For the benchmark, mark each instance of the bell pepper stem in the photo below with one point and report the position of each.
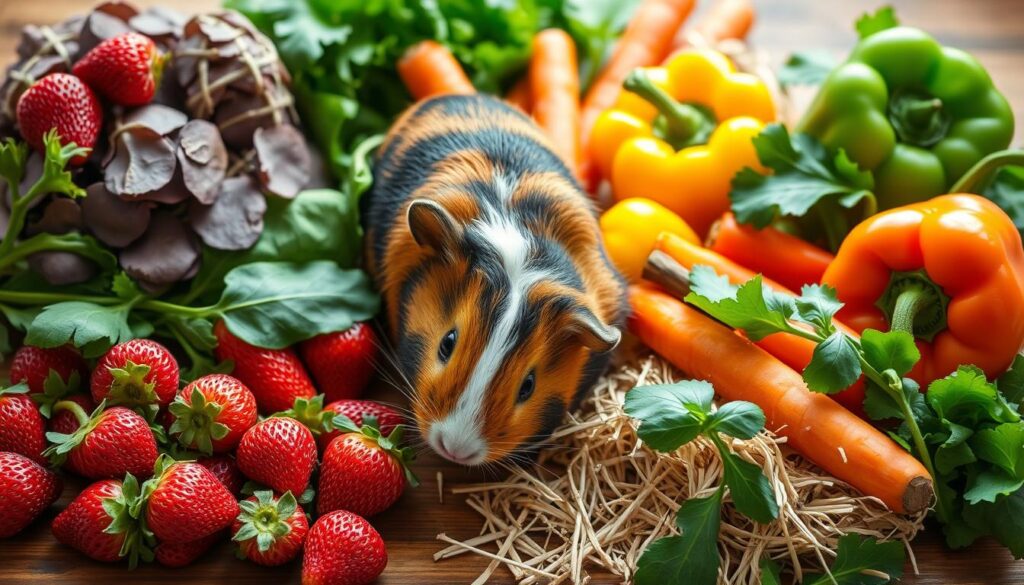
(976, 175)
(920, 111)
(682, 122)
(74, 408)
(908, 304)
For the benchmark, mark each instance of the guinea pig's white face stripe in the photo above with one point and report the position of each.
(459, 434)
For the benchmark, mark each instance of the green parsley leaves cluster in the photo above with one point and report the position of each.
(967, 431)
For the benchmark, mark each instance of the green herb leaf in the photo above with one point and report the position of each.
(990, 484)
(894, 350)
(806, 68)
(1002, 520)
(670, 415)
(749, 488)
(743, 308)
(872, 22)
(954, 452)
(834, 366)
(1006, 189)
(1002, 446)
(817, 305)
(967, 397)
(91, 327)
(596, 26)
(691, 557)
(277, 304)
(13, 154)
(863, 561)
(738, 419)
(771, 572)
(1011, 383)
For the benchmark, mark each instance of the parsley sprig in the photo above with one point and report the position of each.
(967, 431)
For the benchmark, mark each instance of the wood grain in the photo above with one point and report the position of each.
(991, 29)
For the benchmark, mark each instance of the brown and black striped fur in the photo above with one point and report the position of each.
(477, 230)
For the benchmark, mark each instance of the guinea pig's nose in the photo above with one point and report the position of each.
(458, 449)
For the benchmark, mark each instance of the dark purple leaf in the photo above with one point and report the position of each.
(114, 221)
(60, 216)
(143, 161)
(165, 254)
(283, 159)
(203, 159)
(235, 220)
(62, 268)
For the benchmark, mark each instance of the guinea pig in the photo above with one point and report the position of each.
(500, 302)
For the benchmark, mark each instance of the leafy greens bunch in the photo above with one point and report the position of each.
(966, 431)
(672, 415)
(297, 281)
(342, 53)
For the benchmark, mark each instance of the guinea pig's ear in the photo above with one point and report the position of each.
(431, 224)
(592, 332)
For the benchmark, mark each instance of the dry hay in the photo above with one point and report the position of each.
(599, 497)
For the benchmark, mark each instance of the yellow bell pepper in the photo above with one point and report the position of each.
(631, 228)
(680, 132)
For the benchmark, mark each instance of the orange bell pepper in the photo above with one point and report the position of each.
(949, 270)
(631, 228)
(679, 134)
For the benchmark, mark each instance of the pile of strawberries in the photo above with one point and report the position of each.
(170, 464)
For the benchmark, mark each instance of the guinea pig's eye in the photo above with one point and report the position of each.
(444, 351)
(526, 388)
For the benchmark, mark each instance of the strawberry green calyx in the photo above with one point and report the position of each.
(266, 519)
(310, 412)
(55, 389)
(164, 464)
(196, 422)
(130, 387)
(63, 444)
(19, 388)
(390, 444)
(137, 545)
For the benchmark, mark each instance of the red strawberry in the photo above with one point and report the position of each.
(270, 530)
(181, 554)
(139, 372)
(212, 412)
(275, 376)
(22, 429)
(362, 412)
(65, 421)
(224, 468)
(185, 502)
(33, 365)
(342, 363)
(125, 69)
(363, 471)
(98, 523)
(108, 444)
(343, 549)
(64, 103)
(26, 489)
(279, 453)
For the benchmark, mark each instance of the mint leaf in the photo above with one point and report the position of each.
(1002, 446)
(990, 484)
(748, 487)
(859, 561)
(817, 305)
(872, 22)
(691, 557)
(967, 397)
(745, 308)
(738, 419)
(92, 328)
(670, 415)
(834, 366)
(894, 350)
(806, 68)
(277, 304)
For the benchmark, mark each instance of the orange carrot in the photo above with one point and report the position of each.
(795, 351)
(784, 257)
(520, 95)
(816, 427)
(555, 92)
(646, 41)
(429, 68)
(726, 19)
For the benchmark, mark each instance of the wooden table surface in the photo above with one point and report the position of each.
(993, 30)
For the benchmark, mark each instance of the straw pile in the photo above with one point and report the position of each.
(598, 497)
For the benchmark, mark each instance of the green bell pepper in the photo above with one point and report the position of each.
(916, 114)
